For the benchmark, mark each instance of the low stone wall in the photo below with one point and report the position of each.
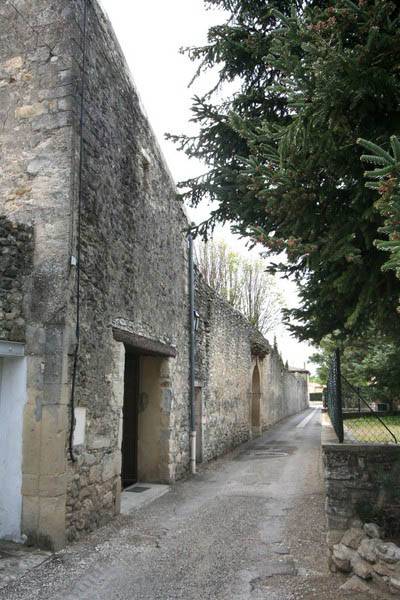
(16, 249)
(361, 482)
(354, 479)
(363, 553)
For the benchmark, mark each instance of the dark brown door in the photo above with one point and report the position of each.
(130, 421)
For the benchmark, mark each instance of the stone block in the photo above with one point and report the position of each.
(53, 440)
(30, 485)
(394, 584)
(361, 567)
(98, 442)
(35, 374)
(353, 538)
(372, 530)
(384, 569)
(89, 459)
(356, 585)
(13, 65)
(95, 474)
(30, 516)
(109, 467)
(52, 485)
(31, 441)
(387, 552)
(367, 549)
(342, 557)
(51, 527)
(30, 111)
(48, 122)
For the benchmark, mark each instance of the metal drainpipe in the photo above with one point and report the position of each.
(192, 360)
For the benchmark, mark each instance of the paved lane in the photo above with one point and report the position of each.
(248, 527)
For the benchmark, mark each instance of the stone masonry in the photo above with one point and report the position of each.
(363, 553)
(16, 250)
(354, 479)
(228, 351)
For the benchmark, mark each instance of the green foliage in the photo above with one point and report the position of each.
(369, 362)
(281, 151)
(384, 178)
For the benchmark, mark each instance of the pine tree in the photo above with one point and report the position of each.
(282, 154)
(384, 178)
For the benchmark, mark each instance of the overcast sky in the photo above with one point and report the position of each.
(151, 34)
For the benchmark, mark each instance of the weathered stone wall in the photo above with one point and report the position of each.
(133, 273)
(228, 350)
(16, 249)
(354, 474)
(36, 145)
(283, 392)
(223, 365)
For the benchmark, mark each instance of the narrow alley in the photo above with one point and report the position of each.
(248, 526)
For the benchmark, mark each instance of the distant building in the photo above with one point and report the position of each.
(316, 391)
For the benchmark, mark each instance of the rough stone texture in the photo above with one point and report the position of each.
(367, 550)
(352, 478)
(36, 141)
(362, 568)
(342, 557)
(372, 560)
(16, 250)
(228, 350)
(355, 584)
(353, 537)
(372, 530)
(388, 552)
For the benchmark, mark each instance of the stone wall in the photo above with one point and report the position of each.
(372, 561)
(133, 274)
(354, 480)
(16, 250)
(37, 144)
(283, 392)
(228, 351)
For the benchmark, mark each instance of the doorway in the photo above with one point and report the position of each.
(144, 402)
(130, 422)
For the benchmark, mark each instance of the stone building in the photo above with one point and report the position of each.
(94, 294)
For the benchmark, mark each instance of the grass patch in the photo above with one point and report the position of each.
(369, 429)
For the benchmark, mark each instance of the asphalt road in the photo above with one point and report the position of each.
(249, 526)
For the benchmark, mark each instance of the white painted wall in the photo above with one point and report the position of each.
(12, 402)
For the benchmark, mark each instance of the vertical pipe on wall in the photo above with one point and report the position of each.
(192, 359)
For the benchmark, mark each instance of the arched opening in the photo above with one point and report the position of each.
(256, 399)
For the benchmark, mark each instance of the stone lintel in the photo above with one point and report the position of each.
(145, 345)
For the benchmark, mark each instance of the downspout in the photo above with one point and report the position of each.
(192, 435)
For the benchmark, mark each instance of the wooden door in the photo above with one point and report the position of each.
(130, 421)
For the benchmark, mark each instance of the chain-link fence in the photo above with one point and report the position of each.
(357, 415)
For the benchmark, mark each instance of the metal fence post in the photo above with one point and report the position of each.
(340, 431)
